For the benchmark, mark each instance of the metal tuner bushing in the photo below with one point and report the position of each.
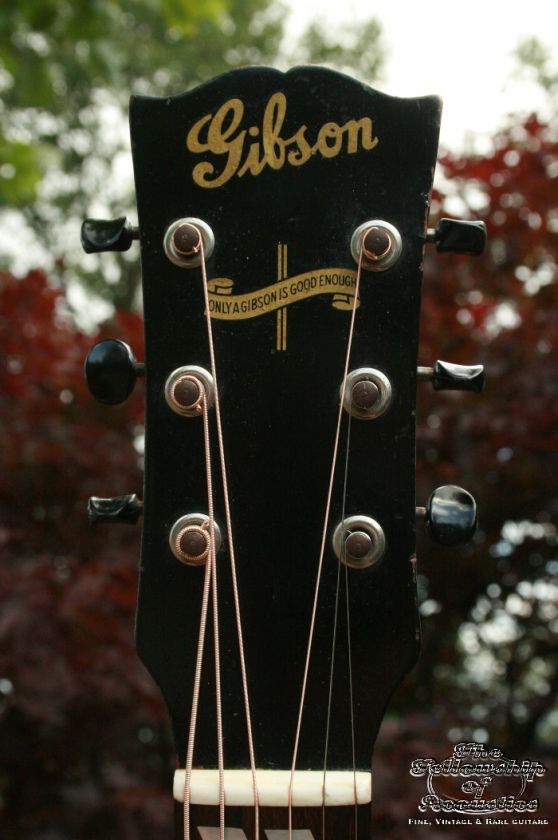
(380, 243)
(182, 242)
(189, 539)
(359, 541)
(367, 393)
(186, 386)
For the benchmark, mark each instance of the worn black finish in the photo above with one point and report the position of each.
(98, 235)
(447, 376)
(456, 236)
(118, 509)
(451, 515)
(280, 383)
(111, 371)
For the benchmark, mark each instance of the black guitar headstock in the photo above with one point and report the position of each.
(292, 210)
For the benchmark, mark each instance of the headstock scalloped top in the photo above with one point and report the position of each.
(290, 180)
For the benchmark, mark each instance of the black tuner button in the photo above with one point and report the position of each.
(124, 509)
(455, 236)
(111, 371)
(450, 515)
(446, 376)
(99, 235)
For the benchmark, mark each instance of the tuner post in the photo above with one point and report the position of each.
(367, 393)
(380, 244)
(183, 242)
(187, 393)
(190, 539)
(192, 544)
(359, 542)
(186, 240)
(187, 388)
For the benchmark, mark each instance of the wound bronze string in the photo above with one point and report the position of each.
(322, 551)
(207, 585)
(334, 635)
(232, 557)
(350, 669)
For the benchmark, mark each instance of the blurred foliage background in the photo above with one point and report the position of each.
(84, 739)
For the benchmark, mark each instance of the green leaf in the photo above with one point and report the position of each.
(183, 16)
(20, 173)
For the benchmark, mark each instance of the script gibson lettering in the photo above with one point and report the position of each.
(254, 148)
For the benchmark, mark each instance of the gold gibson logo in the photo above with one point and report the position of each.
(221, 134)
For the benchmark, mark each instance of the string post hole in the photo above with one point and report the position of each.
(187, 392)
(183, 241)
(366, 393)
(376, 244)
(380, 244)
(188, 388)
(359, 541)
(186, 240)
(357, 545)
(192, 543)
(190, 539)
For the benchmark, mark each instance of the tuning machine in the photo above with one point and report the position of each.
(380, 244)
(359, 541)
(450, 515)
(111, 371)
(183, 242)
(118, 509)
(189, 539)
(185, 388)
(367, 393)
(446, 376)
(457, 236)
(98, 235)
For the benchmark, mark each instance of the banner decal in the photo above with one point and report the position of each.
(226, 306)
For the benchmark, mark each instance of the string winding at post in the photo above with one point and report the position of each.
(210, 583)
(211, 574)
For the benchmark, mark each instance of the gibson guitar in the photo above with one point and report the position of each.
(282, 224)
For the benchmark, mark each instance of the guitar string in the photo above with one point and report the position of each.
(349, 656)
(348, 625)
(351, 699)
(209, 569)
(330, 694)
(228, 520)
(322, 551)
(217, 658)
(335, 625)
